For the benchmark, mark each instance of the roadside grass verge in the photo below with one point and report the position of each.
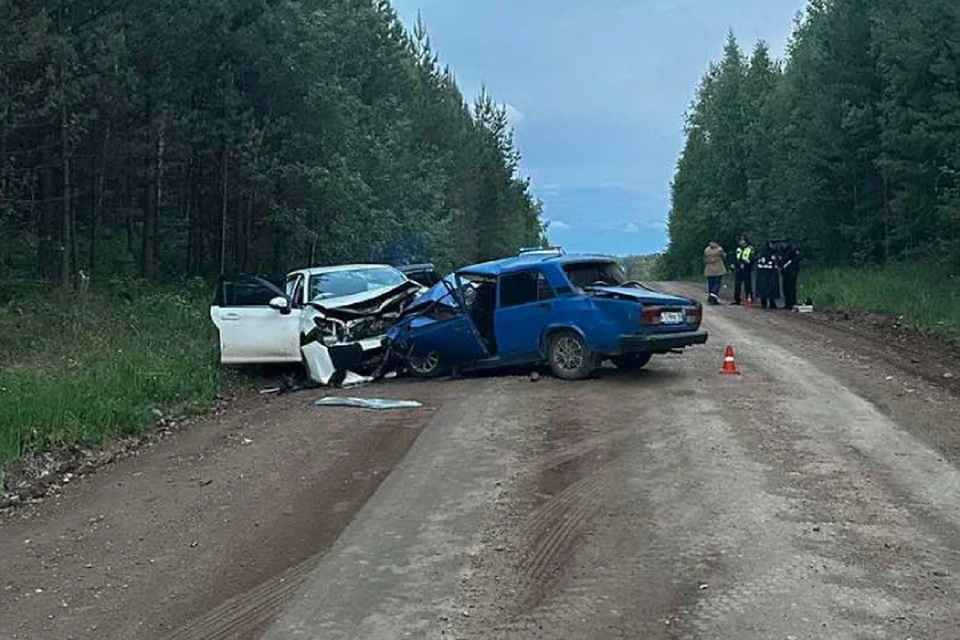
(923, 296)
(84, 369)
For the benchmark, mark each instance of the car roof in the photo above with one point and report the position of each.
(528, 260)
(313, 271)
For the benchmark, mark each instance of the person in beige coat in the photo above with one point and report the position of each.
(714, 268)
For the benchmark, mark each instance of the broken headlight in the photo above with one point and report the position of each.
(330, 333)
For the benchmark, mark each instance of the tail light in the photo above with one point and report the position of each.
(694, 315)
(651, 316)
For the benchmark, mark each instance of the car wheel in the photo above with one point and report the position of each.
(631, 361)
(429, 366)
(569, 356)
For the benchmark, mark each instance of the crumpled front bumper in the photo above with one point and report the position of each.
(325, 363)
(661, 342)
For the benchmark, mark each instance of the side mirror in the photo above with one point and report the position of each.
(281, 304)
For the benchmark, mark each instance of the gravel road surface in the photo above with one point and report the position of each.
(817, 495)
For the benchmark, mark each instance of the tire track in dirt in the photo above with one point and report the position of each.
(552, 533)
(580, 465)
(242, 616)
(582, 448)
(587, 439)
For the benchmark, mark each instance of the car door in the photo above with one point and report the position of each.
(524, 311)
(251, 331)
(455, 338)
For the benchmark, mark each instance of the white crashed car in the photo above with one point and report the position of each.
(333, 319)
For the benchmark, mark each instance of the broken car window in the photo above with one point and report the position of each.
(591, 274)
(336, 284)
(478, 291)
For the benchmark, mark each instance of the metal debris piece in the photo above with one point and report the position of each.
(379, 404)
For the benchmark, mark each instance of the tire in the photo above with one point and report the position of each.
(631, 361)
(430, 366)
(569, 356)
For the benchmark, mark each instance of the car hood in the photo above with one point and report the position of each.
(370, 302)
(437, 294)
(641, 295)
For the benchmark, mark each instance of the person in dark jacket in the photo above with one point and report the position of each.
(768, 276)
(790, 259)
(743, 267)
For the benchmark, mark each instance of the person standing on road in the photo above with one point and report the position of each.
(768, 276)
(744, 270)
(714, 268)
(791, 273)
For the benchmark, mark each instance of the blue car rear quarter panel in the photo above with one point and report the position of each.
(601, 322)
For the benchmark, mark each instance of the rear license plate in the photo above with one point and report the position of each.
(671, 317)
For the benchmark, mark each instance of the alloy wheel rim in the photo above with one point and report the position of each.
(426, 364)
(569, 354)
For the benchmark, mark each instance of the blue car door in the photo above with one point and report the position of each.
(525, 309)
(450, 333)
(454, 339)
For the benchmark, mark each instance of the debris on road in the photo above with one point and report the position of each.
(378, 404)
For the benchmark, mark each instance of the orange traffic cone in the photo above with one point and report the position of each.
(730, 364)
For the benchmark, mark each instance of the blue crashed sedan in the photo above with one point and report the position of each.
(571, 312)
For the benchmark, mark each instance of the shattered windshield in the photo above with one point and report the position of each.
(587, 274)
(337, 284)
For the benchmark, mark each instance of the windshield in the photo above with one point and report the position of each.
(586, 274)
(337, 284)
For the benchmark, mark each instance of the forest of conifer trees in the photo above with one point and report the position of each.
(173, 138)
(849, 147)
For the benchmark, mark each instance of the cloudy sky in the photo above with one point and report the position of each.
(596, 90)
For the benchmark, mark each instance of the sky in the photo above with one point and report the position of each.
(596, 91)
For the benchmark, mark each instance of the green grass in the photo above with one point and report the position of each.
(924, 296)
(86, 369)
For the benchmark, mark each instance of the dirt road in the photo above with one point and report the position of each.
(815, 496)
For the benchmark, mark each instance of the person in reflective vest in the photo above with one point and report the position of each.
(768, 276)
(743, 268)
(791, 258)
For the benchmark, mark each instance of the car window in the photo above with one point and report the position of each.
(586, 274)
(478, 291)
(246, 292)
(298, 293)
(427, 278)
(337, 284)
(295, 290)
(544, 289)
(523, 288)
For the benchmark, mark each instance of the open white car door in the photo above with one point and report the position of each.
(251, 330)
